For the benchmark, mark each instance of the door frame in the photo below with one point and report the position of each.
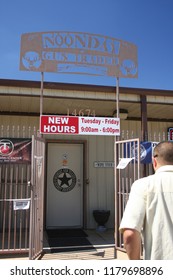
(85, 172)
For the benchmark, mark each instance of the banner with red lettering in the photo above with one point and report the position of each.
(15, 150)
(50, 124)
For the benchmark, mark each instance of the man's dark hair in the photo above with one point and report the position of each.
(164, 152)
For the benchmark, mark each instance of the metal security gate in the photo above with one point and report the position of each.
(14, 196)
(127, 170)
(37, 197)
(14, 223)
(21, 203)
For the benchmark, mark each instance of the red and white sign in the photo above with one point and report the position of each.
(50, 124)
(170, 134)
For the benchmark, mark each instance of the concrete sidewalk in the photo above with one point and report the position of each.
(103, 248)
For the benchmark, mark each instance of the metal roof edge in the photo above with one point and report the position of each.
(85, 87)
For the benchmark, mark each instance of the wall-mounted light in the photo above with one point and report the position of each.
(123, 114)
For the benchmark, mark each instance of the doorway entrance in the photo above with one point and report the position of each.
(64, 185)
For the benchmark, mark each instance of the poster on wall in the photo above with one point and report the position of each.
(15, 150)
(146, 151)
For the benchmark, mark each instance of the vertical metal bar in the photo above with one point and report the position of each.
(28, 194)
(41, 93)
(32, 200)
(117, 96)
(120, 151)
(21, 212)
(138, 159)
(115, 171)
(115, 199)
(10, 205)
(4, 207)
(144, 127)
(1, 204)
(15, 214)
(41, 96)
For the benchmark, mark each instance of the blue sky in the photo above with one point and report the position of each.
(146, 23)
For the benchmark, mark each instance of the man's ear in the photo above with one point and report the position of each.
(154, 163)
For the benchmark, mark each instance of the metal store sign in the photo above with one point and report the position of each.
(79, 125)
(78, 53)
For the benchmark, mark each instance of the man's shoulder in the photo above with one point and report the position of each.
(144, 180)
(142, 184)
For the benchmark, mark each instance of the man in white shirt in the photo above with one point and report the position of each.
(149, 210)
